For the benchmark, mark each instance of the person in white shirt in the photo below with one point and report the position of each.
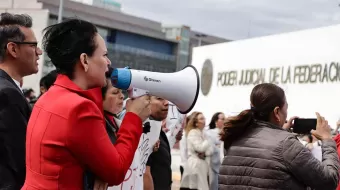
(215, 126)
(196, 170)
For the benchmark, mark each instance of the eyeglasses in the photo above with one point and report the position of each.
(35, 44)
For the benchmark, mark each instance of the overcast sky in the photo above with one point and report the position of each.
(238, 19)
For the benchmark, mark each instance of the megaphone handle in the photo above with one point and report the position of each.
(136, 92)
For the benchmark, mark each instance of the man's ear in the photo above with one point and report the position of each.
(12, 49)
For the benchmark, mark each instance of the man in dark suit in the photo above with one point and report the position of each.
(18, 58)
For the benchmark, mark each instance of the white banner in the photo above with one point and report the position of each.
(174, 122)
(134, 177)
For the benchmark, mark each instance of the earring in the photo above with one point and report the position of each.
(86, 68)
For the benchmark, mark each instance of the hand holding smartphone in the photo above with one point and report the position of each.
(317, 127)
(304, 125)
(323, 130)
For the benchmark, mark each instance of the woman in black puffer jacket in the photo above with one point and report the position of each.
(261, 154)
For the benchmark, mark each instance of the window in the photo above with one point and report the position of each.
(103, 32)
(183, 60)
(52, 20)
(112, 36)
(185, 33)
(184, 46)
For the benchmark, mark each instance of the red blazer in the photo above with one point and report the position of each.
(66, 134)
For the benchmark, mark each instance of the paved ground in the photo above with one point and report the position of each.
(176, 174)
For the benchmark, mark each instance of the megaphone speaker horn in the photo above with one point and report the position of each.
(181, 88)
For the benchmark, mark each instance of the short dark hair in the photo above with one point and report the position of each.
(27, 92)
(10, 29)
(66, 41)
(48, 80)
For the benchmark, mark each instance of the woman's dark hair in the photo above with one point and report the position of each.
(212, 124)
(105, 88)
(264, 98)
(66, 41)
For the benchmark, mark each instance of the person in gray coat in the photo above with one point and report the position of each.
(262, 154)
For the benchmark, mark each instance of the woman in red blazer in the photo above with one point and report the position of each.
(66, 132)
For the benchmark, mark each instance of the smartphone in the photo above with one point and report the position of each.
(304, 126)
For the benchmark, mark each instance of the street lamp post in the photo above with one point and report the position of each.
(60, 14)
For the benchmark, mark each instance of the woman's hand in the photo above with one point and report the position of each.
(100, 185)
(201, 155)
(323, 130)
(140, 106)
(289, 124)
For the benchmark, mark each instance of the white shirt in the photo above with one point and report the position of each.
(183, 149)
(213, 135)
(17, 83)
(317, 151)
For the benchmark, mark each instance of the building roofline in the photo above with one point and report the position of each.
(208, 37)
(174, 26)
(101, 16)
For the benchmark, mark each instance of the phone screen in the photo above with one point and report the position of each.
(304, 126)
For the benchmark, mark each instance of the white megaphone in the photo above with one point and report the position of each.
(181, 88)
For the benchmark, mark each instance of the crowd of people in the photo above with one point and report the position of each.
(80, 133)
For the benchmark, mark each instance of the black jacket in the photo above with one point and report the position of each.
(160, 164)
(14, 114)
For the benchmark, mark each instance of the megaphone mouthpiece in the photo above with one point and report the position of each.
(121, 78)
